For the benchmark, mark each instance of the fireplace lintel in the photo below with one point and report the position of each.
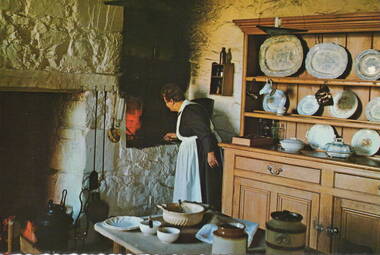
(53, 81)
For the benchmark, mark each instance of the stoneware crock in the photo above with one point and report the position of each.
(230, 239)
(285, 233)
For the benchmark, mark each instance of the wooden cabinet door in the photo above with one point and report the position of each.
(303, 202)
(254, 201)
(358, 224)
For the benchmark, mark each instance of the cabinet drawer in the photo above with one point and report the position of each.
(278, 169)
(357, 183)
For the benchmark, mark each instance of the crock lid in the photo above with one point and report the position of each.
(286, 216)
(227, 230)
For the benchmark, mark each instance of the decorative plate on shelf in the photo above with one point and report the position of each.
(345, 104)
(273, 102)
(372, 110)
(308, 105)
(123, 223)
(365, 142)
(320, 135)
(367, 65)
(281, 55)
(326, 60)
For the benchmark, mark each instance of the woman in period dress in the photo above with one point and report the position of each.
(199, 164)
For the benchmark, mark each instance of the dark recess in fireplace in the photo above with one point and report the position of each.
(155, 52)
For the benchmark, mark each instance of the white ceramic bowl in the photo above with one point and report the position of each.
(147, 230)
(292, 145)
(168, 234)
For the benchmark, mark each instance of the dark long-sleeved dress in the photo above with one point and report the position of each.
(195, 121)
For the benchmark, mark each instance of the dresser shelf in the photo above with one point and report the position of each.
(333, 82)
(315, 120)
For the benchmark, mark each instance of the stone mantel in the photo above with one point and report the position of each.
(42, 81)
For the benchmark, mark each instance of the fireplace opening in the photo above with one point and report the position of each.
(27, 124)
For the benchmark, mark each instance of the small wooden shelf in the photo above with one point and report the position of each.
(315, 120)
(296, 80)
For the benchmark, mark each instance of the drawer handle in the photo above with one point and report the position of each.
(274, 171)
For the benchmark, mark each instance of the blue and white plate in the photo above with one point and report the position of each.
(326, 60)
(308, 105)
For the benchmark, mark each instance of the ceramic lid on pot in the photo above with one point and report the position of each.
(286, 216)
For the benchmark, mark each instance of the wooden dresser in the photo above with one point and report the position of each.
(339, 199)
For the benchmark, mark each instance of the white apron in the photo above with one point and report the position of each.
(187, 183)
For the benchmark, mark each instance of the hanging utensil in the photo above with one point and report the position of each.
(104, 134)
(94, 181)
(118, 113)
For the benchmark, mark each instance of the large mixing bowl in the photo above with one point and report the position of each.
(182, 214)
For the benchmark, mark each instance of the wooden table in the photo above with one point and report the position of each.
(135, 242)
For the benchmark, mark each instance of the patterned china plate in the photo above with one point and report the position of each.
(308, 105)
(326, 60)
(281, 55)
(345, 104)
(372, 110)
(123, 223)
(365, 142)
(367, 65)
(320, 135)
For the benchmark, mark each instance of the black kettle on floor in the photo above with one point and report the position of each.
(53, 227)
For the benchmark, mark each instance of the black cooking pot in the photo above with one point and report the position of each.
(53, 226)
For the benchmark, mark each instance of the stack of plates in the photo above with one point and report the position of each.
(345, 104)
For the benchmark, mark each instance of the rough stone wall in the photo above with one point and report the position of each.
(135, 180)
(41, 39)
(213, 29)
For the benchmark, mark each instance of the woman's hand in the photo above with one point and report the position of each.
(211, 159)
(170, 137)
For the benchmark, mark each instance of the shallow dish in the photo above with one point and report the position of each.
(367, 65)
(320, 135)
(365, 142)
(146, 229)
(123, 223)
(281, 55)
(326, 60)
(168, 234)
(308, 105)
(372, 110)
(345, 104)
(271, 103)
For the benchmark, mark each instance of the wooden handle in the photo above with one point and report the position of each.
(10, 235)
